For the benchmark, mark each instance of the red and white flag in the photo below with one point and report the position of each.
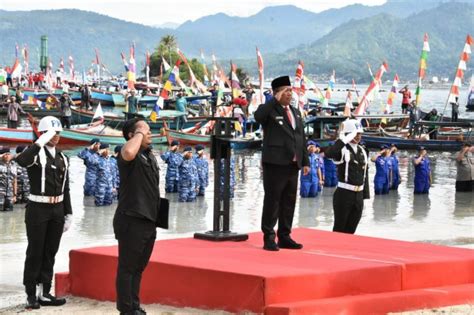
(260, 75)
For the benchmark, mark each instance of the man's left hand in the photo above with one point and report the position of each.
(305, 170)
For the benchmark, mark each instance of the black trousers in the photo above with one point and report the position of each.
(280, 183)
(44, 229)
(66, 122)
(465, 185)
(348, 206)
(136, 238)
(12, 124)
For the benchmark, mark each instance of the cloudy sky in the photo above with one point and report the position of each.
(157, 12)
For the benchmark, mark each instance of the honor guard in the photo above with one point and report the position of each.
(352, 169)
(115, 171)
(104, 179)
(309, 182)
(48, 212)
(188, 177)
(382, 171)
(173, 159)
(422, 172)
(90, 157)
(396, 178)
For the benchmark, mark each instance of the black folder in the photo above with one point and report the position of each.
(163, 213)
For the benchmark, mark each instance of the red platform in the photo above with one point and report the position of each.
(334, 273)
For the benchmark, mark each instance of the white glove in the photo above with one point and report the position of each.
(348, 138)
(45, 138)
(67, 222)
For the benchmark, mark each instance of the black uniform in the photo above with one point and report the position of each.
(135, 225)
(283, 154)
(348, 201)
(44, 220)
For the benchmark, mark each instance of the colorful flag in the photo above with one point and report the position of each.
(132, 68)
(165, 91)
(204, 68)
(462, 66)
(391, 95)
(422, 70)
(331, 84)
(147, 55)
(348, 107)
(25, 58)
(61, 65)
(354, 88)
(369, 93)
(260, 75)
(125, 63)
(234, 81)
(71, 69)
(16, 69)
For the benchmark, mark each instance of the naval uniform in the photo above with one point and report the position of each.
(49, 203)
(352, 187)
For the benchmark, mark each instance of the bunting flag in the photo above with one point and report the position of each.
(391, 95)
(147, 70)
(234, 81)
(462, 66)
(331, 84)
(204, 69)
(25, 59)
(369, 93)
(71, 69)
(422, 70)
(260, 75)
(165, 91)
(354, 88)
(348, 107)
(61, 65)
(131, 78)
(125, 63)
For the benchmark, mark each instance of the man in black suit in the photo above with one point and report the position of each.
(283, 154)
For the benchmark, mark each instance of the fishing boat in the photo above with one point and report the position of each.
(186, 137)
(450, 137)
(16, 135)
(102, 97)
(248, 142)
(33, 110)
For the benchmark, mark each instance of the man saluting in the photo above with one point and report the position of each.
(283, 154)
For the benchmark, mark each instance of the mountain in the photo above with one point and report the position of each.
(349, 47)
(273, 30)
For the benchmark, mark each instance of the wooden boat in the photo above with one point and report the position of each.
(33, 110)
(16, 135)
(102, 97)
(187, 138)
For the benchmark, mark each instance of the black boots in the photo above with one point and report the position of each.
(32, 303)
(47, 299)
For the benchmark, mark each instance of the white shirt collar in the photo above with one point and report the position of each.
(354, 146)
(52, 150)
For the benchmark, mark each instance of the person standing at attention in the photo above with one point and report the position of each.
(422, 172)
(353, 180)
(137, 213)
(283, 154)
(465, 168)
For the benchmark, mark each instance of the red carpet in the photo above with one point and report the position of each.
(334, 273)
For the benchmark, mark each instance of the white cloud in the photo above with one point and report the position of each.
(151, 12)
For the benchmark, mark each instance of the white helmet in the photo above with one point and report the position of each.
(351, 125)
(48, 123)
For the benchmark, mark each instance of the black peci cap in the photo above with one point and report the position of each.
(281, 81)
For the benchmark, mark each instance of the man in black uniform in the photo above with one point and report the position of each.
(137, 213)
(283, 154)
(48, 212)
(352, 169)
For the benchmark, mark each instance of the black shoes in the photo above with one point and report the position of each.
(32, 303)
(288, 243)
(47, 299)
(270, 246)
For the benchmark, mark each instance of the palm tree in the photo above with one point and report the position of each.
(168, 41)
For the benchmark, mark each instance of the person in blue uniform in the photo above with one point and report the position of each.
(309, 183)
(422, 172)
(203, 169)
(330, 170)
(396, 178)
(90, 157)
(173, 159)
(48, 212)
(322, 176)
(104, 182)
(115, 171)
(188, 177)
(23, 183)
(382, 171)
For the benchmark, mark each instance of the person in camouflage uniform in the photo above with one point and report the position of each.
(188, 177)
(202, 168)
(115, 171)
(232, 178)
(23, 183)
(173, 159)
(7, 180)
(104, 180)
(90, 157)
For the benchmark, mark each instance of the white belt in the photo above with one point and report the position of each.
(350, 187)
(46, 199)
